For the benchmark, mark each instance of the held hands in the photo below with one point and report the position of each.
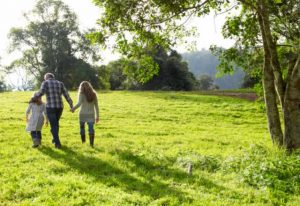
(72, 110)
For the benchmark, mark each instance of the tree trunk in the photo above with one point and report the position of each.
(291, 109)
(263, 12)
(271, 103)
(289, 94)
(270, 93)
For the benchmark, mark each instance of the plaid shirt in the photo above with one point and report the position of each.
(53, 90)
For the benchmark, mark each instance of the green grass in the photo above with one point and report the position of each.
(144, 143)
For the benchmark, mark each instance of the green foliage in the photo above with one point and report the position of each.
(258, 88)
(205, 82)
(274, 170)
(136, 25)
(116, 74)
(145, 69)
(51, 42)
(141, 24)
(103, 75)
(82, 71)
(143, 144)
(248, 52)
(250, 82)
(173, 73)
(131, 71)
(169, 70)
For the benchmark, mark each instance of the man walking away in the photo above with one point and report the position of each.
(54, 90)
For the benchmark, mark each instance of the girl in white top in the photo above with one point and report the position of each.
(35, 116)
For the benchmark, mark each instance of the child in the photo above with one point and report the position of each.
(89, 111)
(37, 110)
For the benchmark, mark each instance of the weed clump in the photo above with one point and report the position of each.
(274, 171)
(200, 162)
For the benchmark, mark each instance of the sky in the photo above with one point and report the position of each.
(11, 16)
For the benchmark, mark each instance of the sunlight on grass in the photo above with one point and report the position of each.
(144, 144)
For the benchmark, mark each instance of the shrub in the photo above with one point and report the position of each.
(200, 162)
(261, 168)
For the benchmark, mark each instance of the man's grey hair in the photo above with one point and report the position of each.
(49, 76)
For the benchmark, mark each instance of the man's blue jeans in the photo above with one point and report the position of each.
(90, 125)
(54, 115)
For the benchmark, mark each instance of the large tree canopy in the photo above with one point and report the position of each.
(52, 42)
(260, 28)
(172, 73)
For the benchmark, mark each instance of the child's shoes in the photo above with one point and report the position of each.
(36, 143)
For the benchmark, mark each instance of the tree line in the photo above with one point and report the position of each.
(52, 42)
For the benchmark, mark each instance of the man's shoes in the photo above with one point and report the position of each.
(58, 146)
(35, 145)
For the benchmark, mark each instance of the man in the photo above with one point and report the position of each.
(54, 89)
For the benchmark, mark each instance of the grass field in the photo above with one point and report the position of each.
(144, 144)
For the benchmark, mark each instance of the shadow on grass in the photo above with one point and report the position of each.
(112, 176)
(151, 175)
(150, 169)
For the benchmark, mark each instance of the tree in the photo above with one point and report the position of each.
(173, 72)
(264, 23)
(2, 83)
(103, 75)
(2, 86)
(117, 76)
(269, 30)
(52, 42)
(205, 82)
(250, 82)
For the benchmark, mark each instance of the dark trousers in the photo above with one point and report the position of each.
(54, 115)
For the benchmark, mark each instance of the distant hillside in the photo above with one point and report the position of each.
(203, 62)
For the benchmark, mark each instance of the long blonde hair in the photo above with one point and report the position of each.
(87, 89)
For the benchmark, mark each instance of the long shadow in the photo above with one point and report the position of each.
(150, 169)
(109, 175)
(141, 165)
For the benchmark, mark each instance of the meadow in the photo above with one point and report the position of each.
(144, 143)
